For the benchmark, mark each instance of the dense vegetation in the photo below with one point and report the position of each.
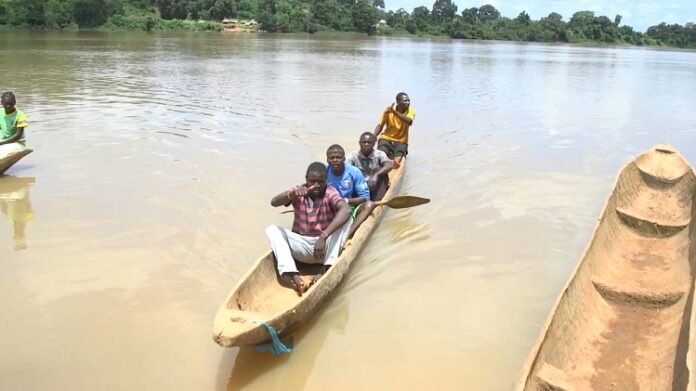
(444, 19)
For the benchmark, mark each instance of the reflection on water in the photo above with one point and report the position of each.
(156, 155)
(16, 206)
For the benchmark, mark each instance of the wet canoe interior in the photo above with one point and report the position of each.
(622, 322)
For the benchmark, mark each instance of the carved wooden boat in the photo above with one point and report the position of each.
(260, 297)
(622, 321)
(11, 154)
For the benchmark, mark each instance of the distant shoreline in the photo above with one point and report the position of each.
(328, 33)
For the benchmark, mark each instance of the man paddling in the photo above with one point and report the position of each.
(320, 227)
(393, 126)
(374, 165)
(350, 183)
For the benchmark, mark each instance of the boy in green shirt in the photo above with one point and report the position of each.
(12, 121)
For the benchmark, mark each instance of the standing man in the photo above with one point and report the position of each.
(374, 165)
(322, 220)
(12, 121)
(393, 126)
(350, 183)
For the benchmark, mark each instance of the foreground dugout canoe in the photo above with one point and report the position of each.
(260, 297)
(11, 154)
(622, 321)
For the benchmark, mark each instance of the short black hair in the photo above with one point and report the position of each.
(367, 134)
(336, 147)
(400, 94)
(317, 168)
(8, 95)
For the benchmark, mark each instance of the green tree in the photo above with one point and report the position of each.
(267, 22)
(421, 18)
(58, 14)
(248, 9)
(443, 11)
(364, 16)
(34, 12)
(552, 28)
(523, 19)
(222, 9)
(470, 15)
(93, 13)
(487, 13)
(397, 19)
(292, 16)
(169, 9)
(332, 14)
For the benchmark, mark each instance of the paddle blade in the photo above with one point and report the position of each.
(400, 202)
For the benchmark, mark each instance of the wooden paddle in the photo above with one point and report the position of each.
(397, 202)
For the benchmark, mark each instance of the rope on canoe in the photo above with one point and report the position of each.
(275, 346)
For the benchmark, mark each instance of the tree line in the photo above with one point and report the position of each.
(365, 16)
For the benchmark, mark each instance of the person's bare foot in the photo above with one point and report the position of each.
(316, 278)
(296, 281)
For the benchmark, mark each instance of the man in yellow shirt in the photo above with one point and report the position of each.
(392, 130)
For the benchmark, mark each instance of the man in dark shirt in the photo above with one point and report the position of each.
(374, 165)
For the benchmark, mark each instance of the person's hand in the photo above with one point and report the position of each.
(320, 248)
(391, 108)
(303, 190)
(372, 181)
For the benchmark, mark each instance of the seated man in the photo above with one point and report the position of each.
(350, 183)
(322, 220)
(374, 165)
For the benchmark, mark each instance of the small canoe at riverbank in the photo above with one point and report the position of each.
(260, 297)
(11, 154)
(622, 321)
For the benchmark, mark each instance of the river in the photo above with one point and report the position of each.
(156, 155)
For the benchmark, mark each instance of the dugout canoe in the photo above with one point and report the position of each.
(623, 320)
(259, 296)
(11, 154)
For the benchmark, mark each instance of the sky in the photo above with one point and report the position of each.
(639, 14)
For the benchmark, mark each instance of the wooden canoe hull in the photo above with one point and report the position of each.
(11, 154)
(622, 321)
(260, 297)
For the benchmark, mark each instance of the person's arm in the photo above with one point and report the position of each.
(283, 199)
(14, 138)
(352, 159)
(403, 116)
(384, 170)
(361, 189)
(382, 122)
(342, 216)
(378, 129)
(287, 197)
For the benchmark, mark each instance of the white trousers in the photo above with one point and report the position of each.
(289, 247)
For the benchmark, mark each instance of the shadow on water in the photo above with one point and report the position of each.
(15, 205)
(294, 368)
